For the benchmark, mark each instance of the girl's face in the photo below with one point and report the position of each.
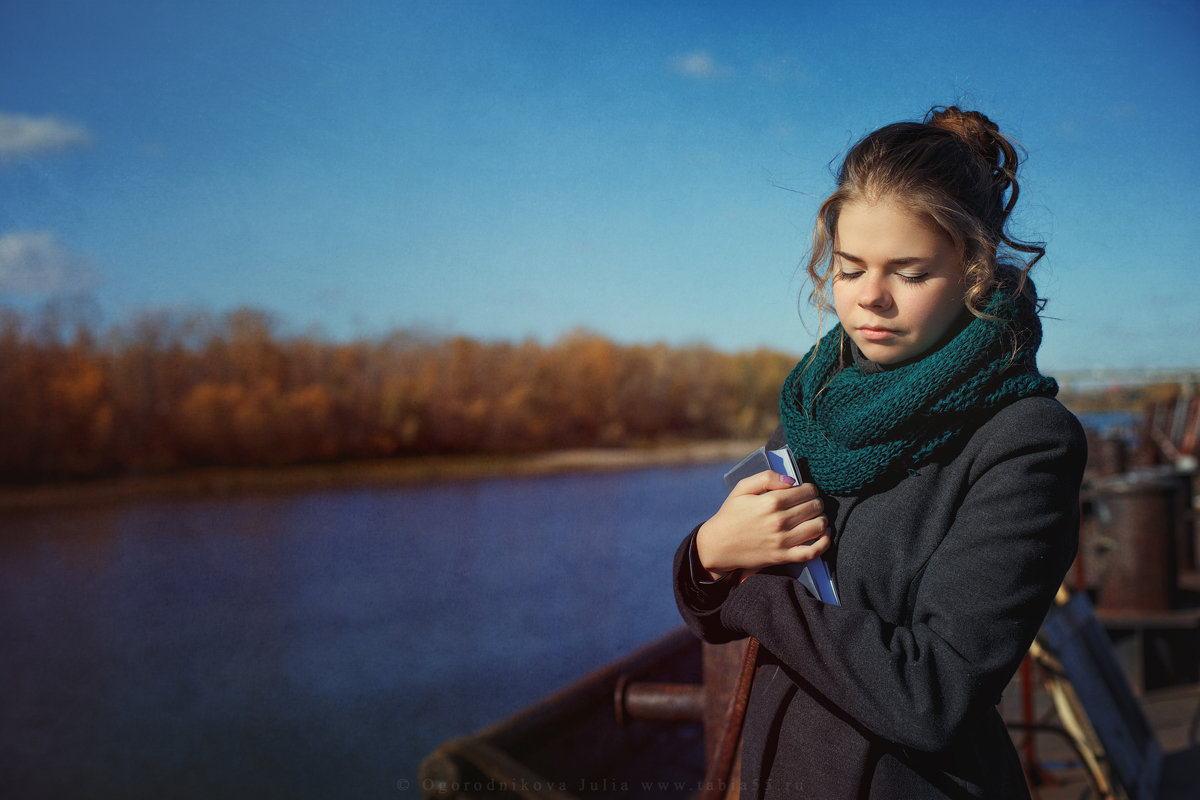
(897, 281)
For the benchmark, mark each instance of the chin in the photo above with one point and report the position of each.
(884, 355)
(885, 360)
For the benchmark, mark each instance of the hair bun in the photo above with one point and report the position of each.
(972, 128)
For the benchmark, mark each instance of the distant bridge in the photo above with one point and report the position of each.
(1082, 380)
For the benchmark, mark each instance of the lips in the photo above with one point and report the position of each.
(876, 334)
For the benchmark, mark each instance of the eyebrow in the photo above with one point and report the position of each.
(891, 262)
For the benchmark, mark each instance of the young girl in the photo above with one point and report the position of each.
(944, 497)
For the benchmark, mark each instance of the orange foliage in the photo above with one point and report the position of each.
(170, 391)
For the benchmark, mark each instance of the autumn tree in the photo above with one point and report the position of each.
(169, 390)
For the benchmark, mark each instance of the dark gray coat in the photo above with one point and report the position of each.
(944, 579)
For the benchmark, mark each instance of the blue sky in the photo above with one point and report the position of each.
(503, 170)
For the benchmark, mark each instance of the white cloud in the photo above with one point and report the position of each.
(699, 64)
(33, 262)
(22, 136)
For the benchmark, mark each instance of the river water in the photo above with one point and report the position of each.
(317, 645)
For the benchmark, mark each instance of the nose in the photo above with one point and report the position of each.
(872, 293)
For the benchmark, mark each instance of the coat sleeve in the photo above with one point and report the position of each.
(976, 605)
(700, 602)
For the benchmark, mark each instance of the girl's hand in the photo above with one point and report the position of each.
(765, 520)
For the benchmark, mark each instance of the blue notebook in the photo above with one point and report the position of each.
(813, 575)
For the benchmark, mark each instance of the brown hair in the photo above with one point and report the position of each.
(955, 169)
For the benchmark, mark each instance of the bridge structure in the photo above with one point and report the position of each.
(1102, 378)
(1169, 420)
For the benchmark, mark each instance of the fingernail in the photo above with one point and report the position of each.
(788, 479)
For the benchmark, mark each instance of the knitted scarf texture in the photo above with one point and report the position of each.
(859, 428)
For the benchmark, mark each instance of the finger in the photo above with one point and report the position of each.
(806, 532)
(809, 550)
(801, 493)
(764, 481)
(798, 513)
(792, 506)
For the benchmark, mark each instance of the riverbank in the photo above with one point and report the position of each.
(229, 481)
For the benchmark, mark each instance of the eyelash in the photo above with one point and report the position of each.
(842, 275)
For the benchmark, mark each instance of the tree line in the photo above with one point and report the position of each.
(167, 391)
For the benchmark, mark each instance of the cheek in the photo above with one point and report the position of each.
(940, 313)
(841, 297)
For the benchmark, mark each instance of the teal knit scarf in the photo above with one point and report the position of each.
(859, 429)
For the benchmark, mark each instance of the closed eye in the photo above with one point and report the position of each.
(844, 259)
(844, 274)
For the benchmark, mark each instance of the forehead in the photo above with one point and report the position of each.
(887, 228)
